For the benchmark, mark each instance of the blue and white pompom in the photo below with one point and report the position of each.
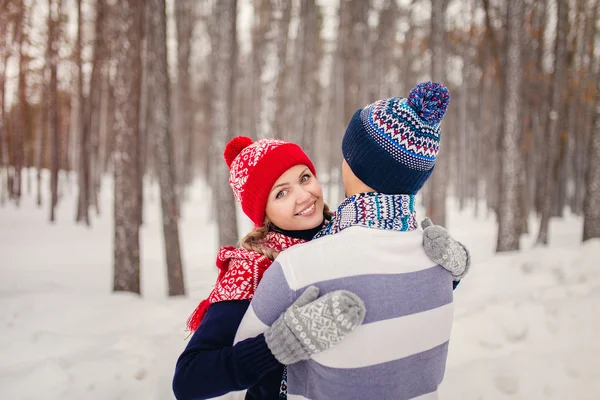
(430, 101)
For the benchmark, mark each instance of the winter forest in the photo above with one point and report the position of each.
(112, 108)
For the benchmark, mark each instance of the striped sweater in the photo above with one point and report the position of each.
(400, 350)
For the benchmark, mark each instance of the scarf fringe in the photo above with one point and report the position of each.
(194, 320)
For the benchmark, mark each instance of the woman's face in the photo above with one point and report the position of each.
(296, 200)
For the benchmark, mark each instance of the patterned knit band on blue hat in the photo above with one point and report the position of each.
(391, 145)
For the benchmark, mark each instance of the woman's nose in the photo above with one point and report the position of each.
(303, 196)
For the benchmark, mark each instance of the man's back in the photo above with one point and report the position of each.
(400, 350)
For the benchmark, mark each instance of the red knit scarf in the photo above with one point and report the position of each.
(240, 271)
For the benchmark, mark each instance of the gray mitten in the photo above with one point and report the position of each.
(442, 249)
(313, 324)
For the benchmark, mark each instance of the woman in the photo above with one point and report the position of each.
(275, 183)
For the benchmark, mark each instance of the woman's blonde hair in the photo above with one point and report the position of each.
(254, 241)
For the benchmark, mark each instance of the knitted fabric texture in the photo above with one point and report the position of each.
(254, 167)
(391, 145)
(441, 248)
(314, 324)
(374, 210)
(240, 271)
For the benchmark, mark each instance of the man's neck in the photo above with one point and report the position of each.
(358, 189)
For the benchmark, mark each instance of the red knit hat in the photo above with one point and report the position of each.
(254, 167)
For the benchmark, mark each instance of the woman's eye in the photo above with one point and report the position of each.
(305, 178)
(280, 194)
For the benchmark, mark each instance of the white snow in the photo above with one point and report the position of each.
(525, 323)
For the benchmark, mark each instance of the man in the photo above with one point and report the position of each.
(373, 248)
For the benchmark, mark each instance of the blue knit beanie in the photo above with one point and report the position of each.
(391, 145)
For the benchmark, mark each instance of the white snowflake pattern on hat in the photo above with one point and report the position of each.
(249, 157)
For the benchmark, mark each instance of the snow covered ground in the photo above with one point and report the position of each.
(526, 323)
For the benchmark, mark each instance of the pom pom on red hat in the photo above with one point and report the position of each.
(235, 147)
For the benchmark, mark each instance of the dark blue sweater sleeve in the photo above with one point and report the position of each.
(211, 365)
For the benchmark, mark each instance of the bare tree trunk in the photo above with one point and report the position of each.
(224, 86)
(385, 43)
(146, 145)
(287, 121)
(105, 122)
(126, 157)
(183, 123)
(202, 104)
(42, 133)
(466, 138)
(93, 105)
(406, 58)
(275, 40)
(462, 154)
(53, 12)
(343, 83)
(480, 144)
(508, 216)
(159, 129)
(335, 125)
(72, 144)
(285, 76)
(541, 113)
(243, 95)
(438, 182)
(353, 31)
(311, 56)
(574, 105)
(555, 119)
(4, 161)
(142, 138)
(84, 148)
(586, 124)
(261, 24)
(109, 132)
(20, 125)
(348, 92)
(591, 210)
(530, 45)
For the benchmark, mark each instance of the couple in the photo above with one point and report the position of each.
(365, 311)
